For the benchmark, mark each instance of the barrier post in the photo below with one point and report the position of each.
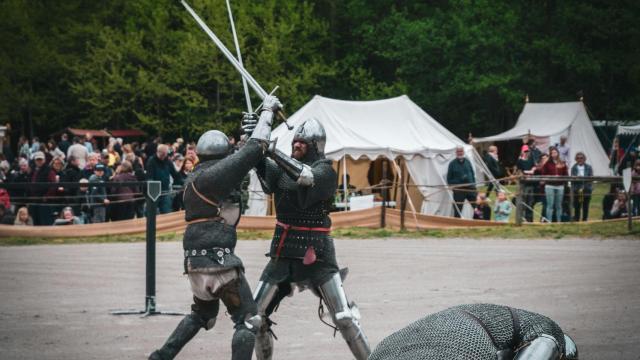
(519, 201)
(383, 212)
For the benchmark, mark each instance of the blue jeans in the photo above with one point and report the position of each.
(554, 194)
(164, 204)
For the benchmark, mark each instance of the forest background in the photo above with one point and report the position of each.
(145, 64)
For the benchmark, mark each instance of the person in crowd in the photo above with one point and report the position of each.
(123, 206)
(22, 175)
(98, 195)
(526, 166)
(185, 170)
(88, 143)
(92, 160)
(160, 168)
(6, 217)
(482, 210)
(54, 150)
(22, 217)
(5, 168)
(35, 145)
(619, 208)
(139, 173)
(78, 151)
(540, 196)
(117, 147)
(191, 152)
(67, 217)
(629, 159)
(151, 147)
(502, 209)
(40, 195)
(83, 202)
(113, 156)
(5, 197)
(23, 148)
(581, 189)
(57, 165)
(64, 143)
(535, 152)
(72, 174)
(460, 175)
(554, 190)
(492, 161)
(181, 146)
(178, 160)
(635, 189)
(616, 154)
(565, 150)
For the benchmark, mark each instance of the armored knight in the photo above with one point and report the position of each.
(212, 210)
(302, 254)
(479, 331)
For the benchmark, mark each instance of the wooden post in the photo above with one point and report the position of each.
(629, 212)
(383, 212)
(571, 199)
(403, 196)
(519, 198)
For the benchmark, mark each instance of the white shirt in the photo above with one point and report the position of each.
(580, 170)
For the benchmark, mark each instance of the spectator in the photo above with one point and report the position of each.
(181, 146)
(23, 148)
(565, 150)
(92, 160)
(67, 218)
(42, 213)
(64, 143)
(526, 166)
(98, 195)
(23, 218)
(493, 163)
(57, 165)
(185, 170)
(88, 144)
(122, 207)
(535, 152)
(191, 152)
(615, 156)
(460, 174)
(581, 189)
(54, 150)
(6, 218)
(113, 157)
(160, 168)
(619, 208)
(78, 151)
(5, 198)
(635, 189)
(20, 176)
(35, 145)
(629, 160)
(554, 190)
(482, 210)
(138, 171)
(503, 207)
(72, 174)
(83, 201)
(539, 191)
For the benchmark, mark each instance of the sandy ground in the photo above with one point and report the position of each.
(56, 299)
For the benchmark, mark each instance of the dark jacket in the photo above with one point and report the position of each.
(461, 172)
(588, 171)
(123, 192)
(161, 170)
(493, 165)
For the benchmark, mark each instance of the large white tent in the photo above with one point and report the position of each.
(390, 128)
(548, 121)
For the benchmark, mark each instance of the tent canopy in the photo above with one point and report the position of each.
(544, 120)
(628, 130)
(390, 127)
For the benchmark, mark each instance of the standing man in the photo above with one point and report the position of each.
(461, 175)
(564, 149)
(493, 163)
(302, 253)
(160, 168)
(526, 166)
(212, 210)
(581, 189)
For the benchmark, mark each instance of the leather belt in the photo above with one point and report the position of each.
(195, 221)
(310, 255)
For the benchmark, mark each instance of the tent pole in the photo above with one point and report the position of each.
(344, 181)
(403, 196)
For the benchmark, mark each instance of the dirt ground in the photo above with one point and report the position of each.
(56, 299)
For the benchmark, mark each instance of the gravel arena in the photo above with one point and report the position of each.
(56, 299)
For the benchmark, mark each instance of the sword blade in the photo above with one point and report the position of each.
(235, 40)
(245, 74)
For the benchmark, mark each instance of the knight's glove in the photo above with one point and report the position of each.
(262, 130)
(249, 121)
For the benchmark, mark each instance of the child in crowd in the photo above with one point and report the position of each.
(482, 210)
(503, 207)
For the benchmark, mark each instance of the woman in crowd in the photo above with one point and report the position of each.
(482, 210)
(619, 208)
(123, 206)
(187, 167)
(581, 189)
(54, 150)
(23, 218)
(615, 156)
(67, 218)
(554, 190)
(503, 207)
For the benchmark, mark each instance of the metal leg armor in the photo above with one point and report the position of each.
(345, 316)
(264, 295)
(203, 315)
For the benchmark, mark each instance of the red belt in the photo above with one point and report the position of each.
(310, 254)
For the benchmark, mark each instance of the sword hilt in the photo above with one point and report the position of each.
(284, 118)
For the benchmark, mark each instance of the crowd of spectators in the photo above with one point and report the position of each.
(52, 165)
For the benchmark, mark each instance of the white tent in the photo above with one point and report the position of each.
(391, 128)
(548, 121)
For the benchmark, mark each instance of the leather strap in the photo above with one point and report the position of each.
(204, 198)
(287, 227)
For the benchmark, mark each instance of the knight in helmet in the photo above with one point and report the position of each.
(212, 210)
(479, 331)
(302, 254)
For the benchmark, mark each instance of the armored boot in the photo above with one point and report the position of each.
(345, 317)
(185, 331)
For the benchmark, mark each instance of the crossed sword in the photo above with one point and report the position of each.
(237, 64)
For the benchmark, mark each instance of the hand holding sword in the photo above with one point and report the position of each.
(245, 74)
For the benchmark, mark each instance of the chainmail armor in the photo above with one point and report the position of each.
(454, 333)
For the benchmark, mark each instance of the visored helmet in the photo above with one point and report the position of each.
(312, 133)
(213, 144)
